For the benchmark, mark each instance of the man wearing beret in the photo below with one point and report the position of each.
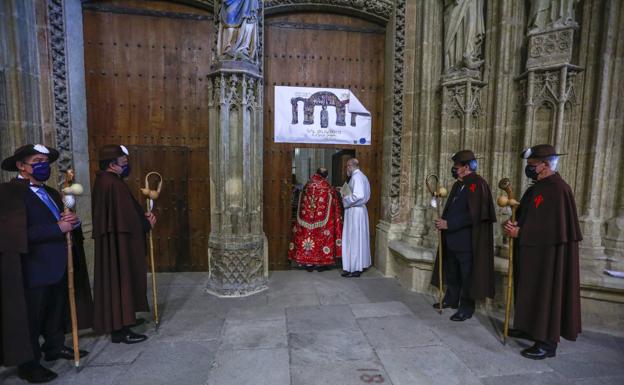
(119, 229)
(467, 238)
(546, 266)
(33, 266)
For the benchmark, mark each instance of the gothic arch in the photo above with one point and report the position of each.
(378, 11)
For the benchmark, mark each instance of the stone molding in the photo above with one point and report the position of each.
(379, 10)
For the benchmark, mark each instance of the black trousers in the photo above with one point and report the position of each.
(458, 266)
(46, 317)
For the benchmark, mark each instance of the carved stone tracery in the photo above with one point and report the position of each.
(397, 108)
(62, 125)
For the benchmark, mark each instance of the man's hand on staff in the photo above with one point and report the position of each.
(511, 229)
(440, 224)
(151, 218)
(68, 221)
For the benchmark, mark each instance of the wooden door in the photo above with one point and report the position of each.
(146, 65)
(318, 50)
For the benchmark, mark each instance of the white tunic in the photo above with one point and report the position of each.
(356, 254)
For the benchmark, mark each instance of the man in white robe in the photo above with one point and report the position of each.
(356, 254)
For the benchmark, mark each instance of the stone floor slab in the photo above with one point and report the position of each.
(320, 319)
(285, 299)
(583, 365)
(339, 292)
(343, 373)
(176, 362)
(245, 367)
(547, 378)
(258, 313)
(429, 365)
(380, 309)
(254, 334)
(104, 353)
(191, 326)
(329, 346)
(380, 289)
(397, 332)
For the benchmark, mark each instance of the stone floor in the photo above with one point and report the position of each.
(319, 328)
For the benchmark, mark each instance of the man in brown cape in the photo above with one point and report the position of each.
(33, 266)
(467, 238)
(546, 268)
(119, 228)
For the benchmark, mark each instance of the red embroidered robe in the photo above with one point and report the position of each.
(317, 233)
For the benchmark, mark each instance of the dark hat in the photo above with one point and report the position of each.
(112, 151)
(30, 149)
(463, 156)
(540, 151)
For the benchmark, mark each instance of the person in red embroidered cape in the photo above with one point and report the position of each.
(317, 233)
(546, 257)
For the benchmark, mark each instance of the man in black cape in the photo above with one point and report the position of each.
(33, 265)
(120, 226)
(467, 239)
(546, 262)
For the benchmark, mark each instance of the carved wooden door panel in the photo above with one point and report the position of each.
(146, 65)
(318, 50)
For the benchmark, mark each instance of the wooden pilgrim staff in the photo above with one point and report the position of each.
(70, 190)
(508, 201)
(150, 197)
(437, 193)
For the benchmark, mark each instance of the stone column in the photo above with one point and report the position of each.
(236, 247)
(20, 112)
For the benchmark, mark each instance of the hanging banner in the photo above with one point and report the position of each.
(320, 115)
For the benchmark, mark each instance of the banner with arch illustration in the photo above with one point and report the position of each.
(320, 116)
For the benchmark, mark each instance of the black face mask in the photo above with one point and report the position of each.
(454, 172)
(531, 171)
(324, 174)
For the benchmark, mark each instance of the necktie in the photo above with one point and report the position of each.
(48, 202)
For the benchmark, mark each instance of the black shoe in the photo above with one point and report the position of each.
(127, 336)
(345, 274)
(37, 375)
(355, 274)
(65, 353)
(309, 269)
(536, 352)
(444, 306)
(460, 317)
(517, 333)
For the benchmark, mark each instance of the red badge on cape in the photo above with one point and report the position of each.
(538, 200)
(473, 187)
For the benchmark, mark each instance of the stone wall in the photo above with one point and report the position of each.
(526, 91)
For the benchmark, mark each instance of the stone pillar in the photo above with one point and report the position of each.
(236, 247)
(20, 112)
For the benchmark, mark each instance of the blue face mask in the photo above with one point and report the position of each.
(41, 171)
(125, 170)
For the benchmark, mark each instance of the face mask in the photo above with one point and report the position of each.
(125, 170)
(324, 174)
(41, 171)
(531, 171)
(454, 172)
